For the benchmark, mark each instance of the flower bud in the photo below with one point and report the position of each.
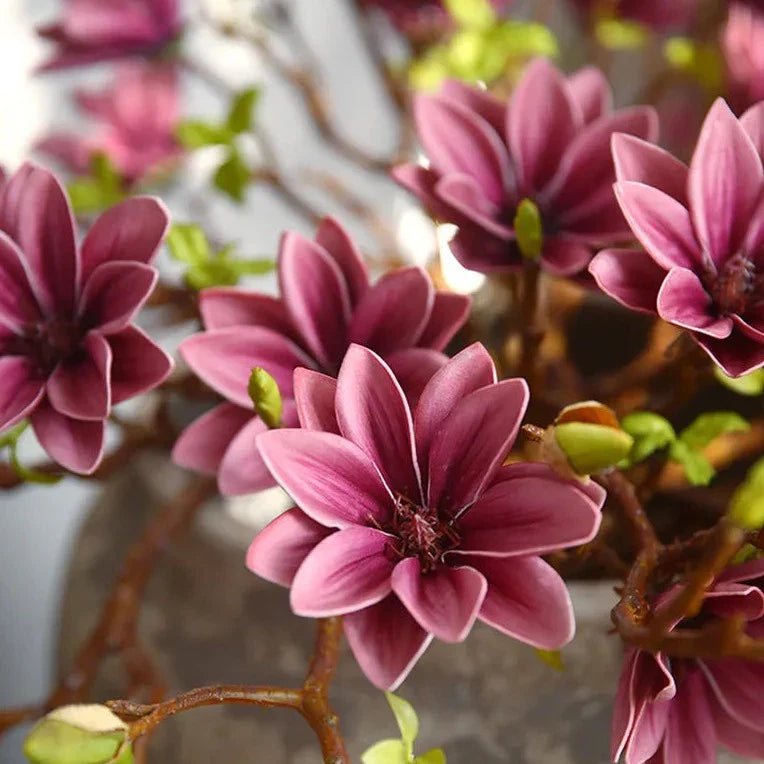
(266, 397)
(528, 229)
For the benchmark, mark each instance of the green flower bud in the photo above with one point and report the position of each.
(266, 397)
(528, 229)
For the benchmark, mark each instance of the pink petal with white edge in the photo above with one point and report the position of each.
(473, 441)
(314, 395)
(349, 570)
(202, 445)
(737, 354)
(474, 98)
(75, 444)
(739, 738)
(725, 182)
(690, 735)
(222, 307)
(394, 312)
(20, 391)
(744, 571)
(224, 359)
(630, 276)
(462, 193)
(329, 477)
(131, 230)
(737, 684)
(18, 306)
(683, 301)
(564, 256)
(449, 313)
(80, 388)
(753, 246)
(527, 600)
(445, 601)
(114, 294)
(282, 546)
(342, 249)
(138, 365)
(316, 296)
(753, 123)
(386, 641)
(414, 368)
(623, 705)
(421, 182)
(728, 600)
(591, 92)
(372, 413)
(528, 510)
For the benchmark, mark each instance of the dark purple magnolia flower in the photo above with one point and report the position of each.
(326, 303)
(68, 349)
(743, 53)
(658, 14)
(672, 710)
(703, 232)
(138, 112)
(548, 144)
(407, 523)
(97, 30)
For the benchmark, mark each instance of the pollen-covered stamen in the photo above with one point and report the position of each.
(734, 286)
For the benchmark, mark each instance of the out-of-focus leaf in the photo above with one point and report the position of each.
(408, 722)
(552, 658)
(651, 432)
(747, 505)
(195, 134)
(471, 14)
(233, 176)
(188, 243)
(592, 448)
(433, 756)
(621, 34)
(709, 426)
(100, 189)
(749, 384)
(386, 752)
(241, 111)
(698, 469)
(10, 436)
(699, 60)
(29, 475)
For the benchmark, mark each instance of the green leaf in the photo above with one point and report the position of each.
(700, 60)
(552, 658)
(242, 107)
(386, 752)
(233, 176)
(194, 134)
(709, 426)
(651, 432)
(749, 384)
(698, 469)
(266, 397)
(188, 243)
(528, 229)
(621, 34)
(405, 716)
(30, 475)
(747, 505)
(10, 436)
(434, 756)
(471, 14)
(100, 189)
(591, 448)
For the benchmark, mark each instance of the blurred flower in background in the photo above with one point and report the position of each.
(656, 14)
(742, 46)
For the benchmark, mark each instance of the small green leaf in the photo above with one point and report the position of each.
(241, 111)
(100, 189)
(528, 229)
(700, 60)
(188, 243)
(195, 134)
(591, 448)
(651, 432)
(621, 34)
(698, 469)
(471, 14)
(749, 384)
(552, 658)
(10, 436)
(386, 752)
(405, 716)
(433, 756)
(266, 397)
(747, 505)
(233, 176)
(709, 426)
(748, 551)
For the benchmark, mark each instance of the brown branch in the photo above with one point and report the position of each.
(530, 333)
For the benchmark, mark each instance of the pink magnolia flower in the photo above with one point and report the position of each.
(743, 52)
(326, 303)
(671, 710)
(407, 523)
(97, 30)
(138, 112)
(548, 144)
(658, 14)
(68, 349)
(703, 232)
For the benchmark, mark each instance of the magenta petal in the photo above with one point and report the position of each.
(478, 250)
(372, 413)
(737, 684)
(80, 388)
(414, 368)
(342, 249)
(75, 444)
(526, 600)
(724, 183)
(623, 705)
(242, 469)
(349, 570)
(737, 354)
(591, 92)
(316, 296)
(445, 601)
(739, 738)
(564, 256)
(222, 307)
(386, 641)
(20, 389)
(744, 571)
(114, 293)
(394, 312)
(131, 230)
(629, 276)
(683, 301)
(690, 735)
(729, 600)
(224, 359)
(202, 445)
(138, 365)
(463, 194)
(329, 477)
(421, 182)
(753, 123)
(281, 547)
(315, 395)
(448, 315)
(35, 213)
(480, 101)
(753, 246)
(473, 441)
(18, 306)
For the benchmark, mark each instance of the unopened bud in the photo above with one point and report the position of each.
(266, 397)
(528, 229)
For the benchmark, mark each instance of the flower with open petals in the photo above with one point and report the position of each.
(703, 232)
(326, 303)
(407, 524)
(138, 113)
(671, 710)
(549, 144)
(742, 47)
(98, 30)
(68, 349)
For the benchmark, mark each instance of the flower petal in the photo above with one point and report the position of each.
(736, 355)
(21, 389)
(623, 705)
(462, 193)
(315, 395)
(329, 477)
(18, 306)
(138, 365)
(448, 315)
(478, 250)
(565, 256)
(342, 249)
(242, 469)
(485, 105)
(739, 738)
(414, 368)
(386, 641)
(737, 684)
(421, 182)
(753, 123)
(591, 92)
(75, 444)
(349, 570)
(728, 600)
(222, 307)
(629, 276)
(690, 733)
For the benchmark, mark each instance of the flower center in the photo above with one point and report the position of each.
(49, 343)
(421, 533)
(734, 286)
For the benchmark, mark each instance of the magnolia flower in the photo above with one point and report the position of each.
(326, 303)
(742, 46)
(407, 523)
(679, 709)
(68, 349)
(548, 144)
(658, 14)
(139, 112)
(97, 30)
(703, 230)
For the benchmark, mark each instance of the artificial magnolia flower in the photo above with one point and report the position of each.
(326, 303)
(407, 523)
(97, 30)
(672, 710)
(742, 46)
(703, 230)
(139, 112)
(657, 14)
(549, 144)
(68, 349)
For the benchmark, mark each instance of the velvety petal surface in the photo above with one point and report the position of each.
(18, 306)
(591, 92)
(75, 444)
(222, 307)
(448, 314)
(137, 365)
(630, 276)
(690, 734)
(20, 389)
(315, 395)
(736, 684)
(342, 249)
(414, 368)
